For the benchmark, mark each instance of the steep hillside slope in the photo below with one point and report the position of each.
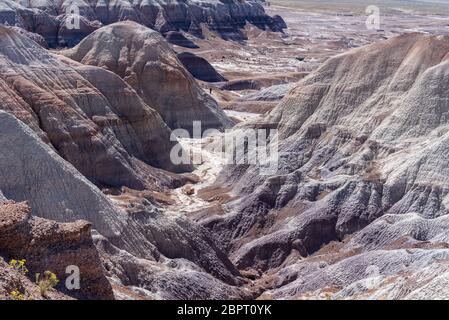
(138, 240)
(50, 246)
(54, 19)
(146, 62)
(67, 125)
(89, 115)
(362, 139)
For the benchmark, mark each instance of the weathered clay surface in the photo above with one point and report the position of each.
(47, 245)
(357, 208)
(32, 171)
(54, 20)
(142, 58)
(83, 112)
(89, 115)
(362, 137)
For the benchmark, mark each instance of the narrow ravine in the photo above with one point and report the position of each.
(212, 162)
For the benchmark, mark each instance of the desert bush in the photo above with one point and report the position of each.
(17, 295)
(19, 266)
(46, 282)
(20, 293)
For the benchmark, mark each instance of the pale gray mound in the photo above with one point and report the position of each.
(58, 108)
(32, 171)
(363, 136)
(170, 279)
(395, 257)
(146, 62)
(381, 274)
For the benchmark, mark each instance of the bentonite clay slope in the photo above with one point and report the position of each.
(32, 171)
(89, 115)
(93, 119)
(146, 62)
(364, 136)
(54, 20)
(47, 245)
(135, 245)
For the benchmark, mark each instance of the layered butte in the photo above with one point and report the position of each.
(53, 20)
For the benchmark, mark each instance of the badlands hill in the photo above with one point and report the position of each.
(69, 129)
(138, 245)
(89, 115)
(358, 207)
(144, 60)
(53, 19)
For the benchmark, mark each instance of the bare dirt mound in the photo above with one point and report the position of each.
(146, 62)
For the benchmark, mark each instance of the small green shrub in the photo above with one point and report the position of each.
(17, 295)
(46, 282)
(19, 266)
